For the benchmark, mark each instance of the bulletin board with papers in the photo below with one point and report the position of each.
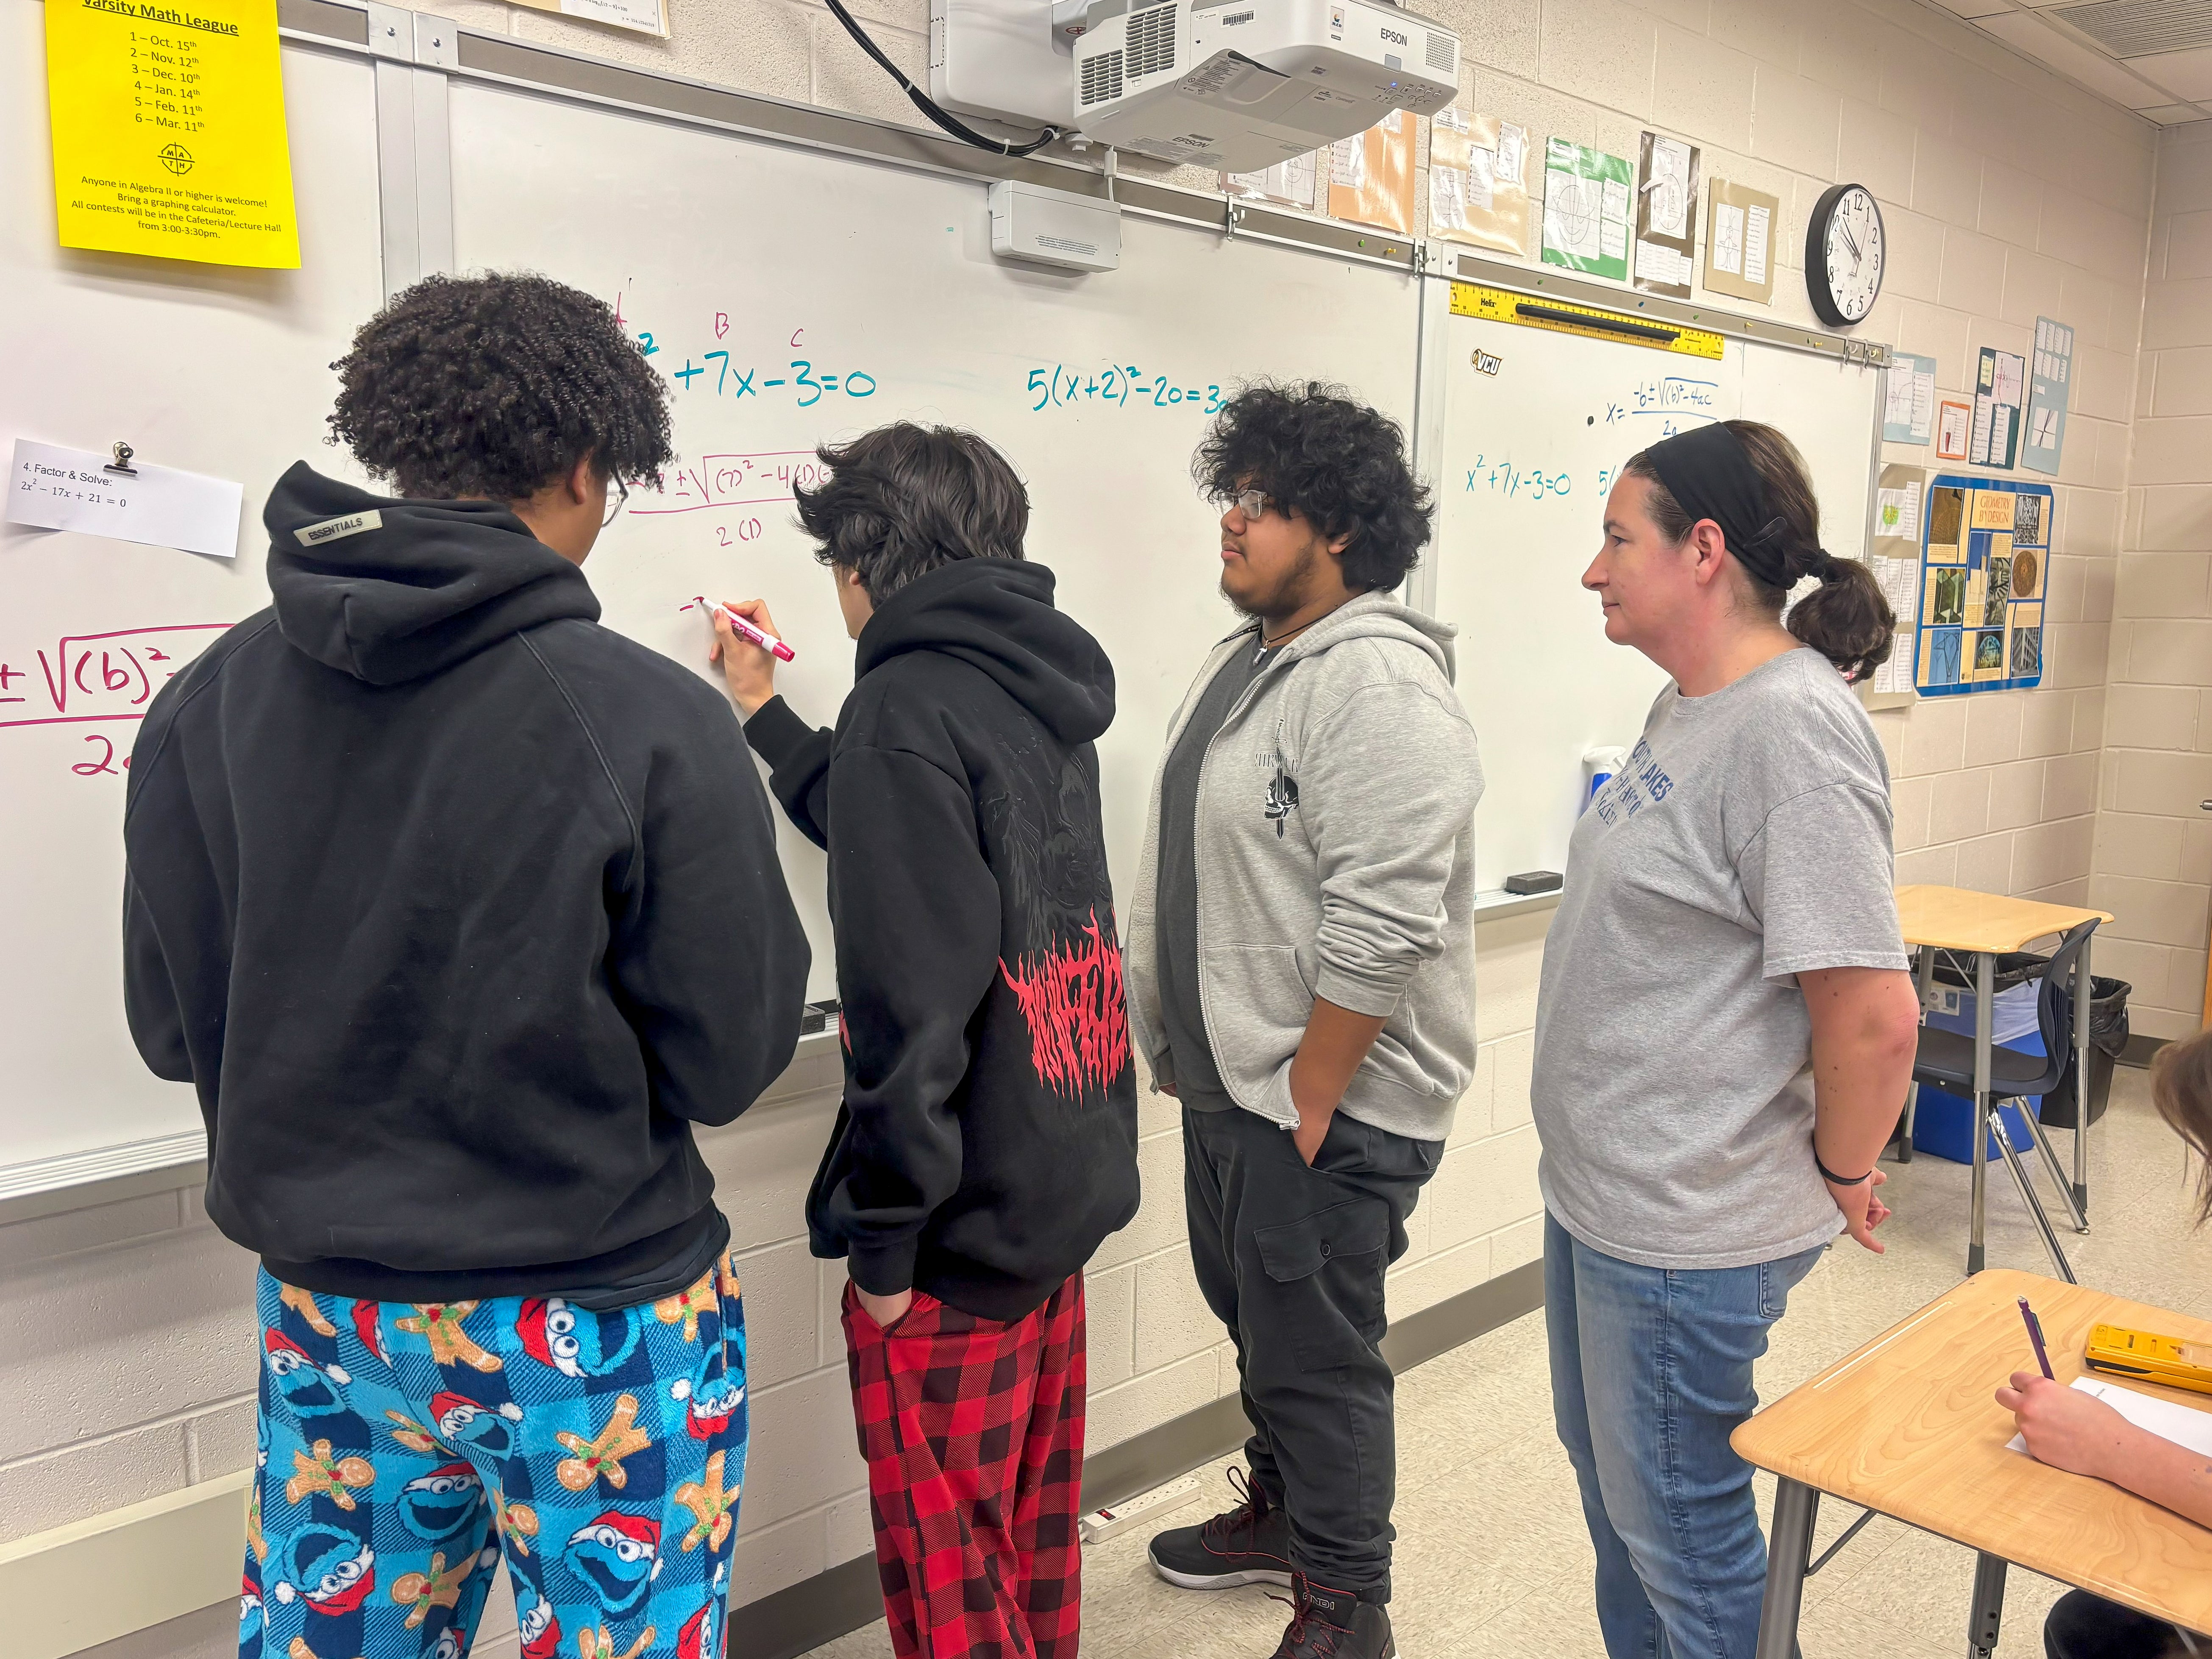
(1985, 566)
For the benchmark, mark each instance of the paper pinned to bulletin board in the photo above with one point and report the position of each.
(1586, 209)
(1740, 228)
(1667, 216)
(168, 130)
(1371, 178)
(1985, 559)
(1479, 181)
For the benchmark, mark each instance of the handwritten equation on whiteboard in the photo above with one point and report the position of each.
(98, 676)
(87, 677)
(763, 477)
(1675, 401)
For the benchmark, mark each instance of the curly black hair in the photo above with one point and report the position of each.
(1318, 452)
(496, 384)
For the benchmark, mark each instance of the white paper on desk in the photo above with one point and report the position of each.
(2184, 1425)
(51, 487)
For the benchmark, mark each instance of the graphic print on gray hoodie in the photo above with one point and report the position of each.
(1335, 843)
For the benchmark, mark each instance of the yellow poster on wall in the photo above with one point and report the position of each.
(168, 129)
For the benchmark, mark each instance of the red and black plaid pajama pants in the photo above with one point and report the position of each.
(973, 1431)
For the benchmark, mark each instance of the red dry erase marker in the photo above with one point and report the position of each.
(759, 636)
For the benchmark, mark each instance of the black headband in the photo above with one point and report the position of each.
(1710, 475)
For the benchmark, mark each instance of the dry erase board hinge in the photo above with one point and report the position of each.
(437, 41)
(391, 32)
(413, 37)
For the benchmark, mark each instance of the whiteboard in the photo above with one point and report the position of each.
(794, 297)
(1531, 443)
(210, 369)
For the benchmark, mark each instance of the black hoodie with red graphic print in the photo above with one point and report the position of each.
(987, 1140)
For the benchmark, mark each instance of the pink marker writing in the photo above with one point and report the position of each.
(745, 630)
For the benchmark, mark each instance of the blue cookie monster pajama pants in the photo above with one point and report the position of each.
(405, 1446)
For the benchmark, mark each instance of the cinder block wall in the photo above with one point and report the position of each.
(2153, 863)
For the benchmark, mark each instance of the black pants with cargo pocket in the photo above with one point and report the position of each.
(1291, 1259)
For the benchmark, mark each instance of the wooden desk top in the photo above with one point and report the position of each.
(1908, 1426)
(1960, 918)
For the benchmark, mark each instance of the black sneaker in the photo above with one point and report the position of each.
(1327, 1624)
(1248, 1545)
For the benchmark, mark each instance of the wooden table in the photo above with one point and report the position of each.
(1908, 1426)
(1986, 926)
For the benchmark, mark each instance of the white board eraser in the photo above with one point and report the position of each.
(1054, 227)
(1535, 881)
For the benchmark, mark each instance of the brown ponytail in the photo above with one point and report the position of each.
(2181, 1084)
(1846, 619)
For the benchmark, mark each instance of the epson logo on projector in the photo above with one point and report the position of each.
(1393, 35)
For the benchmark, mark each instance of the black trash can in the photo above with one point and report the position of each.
(2108, 1028)
(2108, 1037)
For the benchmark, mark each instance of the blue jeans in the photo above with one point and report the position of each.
(1651, 1374)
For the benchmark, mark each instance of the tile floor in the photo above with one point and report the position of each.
(1492, 1558)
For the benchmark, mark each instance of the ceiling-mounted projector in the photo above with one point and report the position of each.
(1238, 86)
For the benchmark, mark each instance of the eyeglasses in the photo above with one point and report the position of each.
(1252, 503)
(621, 500)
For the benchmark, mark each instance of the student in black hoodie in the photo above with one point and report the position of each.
(988, 1139)
(460, 910)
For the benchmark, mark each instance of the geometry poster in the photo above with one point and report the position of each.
(1985, 559)
(1586, 209)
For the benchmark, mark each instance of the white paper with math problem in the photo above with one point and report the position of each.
(51, 487)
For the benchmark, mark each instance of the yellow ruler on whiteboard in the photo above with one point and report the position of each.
(1567, 317)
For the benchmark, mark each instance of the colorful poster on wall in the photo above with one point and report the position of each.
(2050, 376)
(1985, 556)
(168, 130)
(1740, 228)
(1586, 209)
(1667, 216)
(1370, 177)
(1479, 181)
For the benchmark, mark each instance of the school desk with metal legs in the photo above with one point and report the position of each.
(1908, 1426)
(1985, 926)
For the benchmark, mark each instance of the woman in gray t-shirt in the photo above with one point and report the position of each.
(1726, 1028)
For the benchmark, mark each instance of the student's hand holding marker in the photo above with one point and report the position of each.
(749, 668)
(2070, 1430)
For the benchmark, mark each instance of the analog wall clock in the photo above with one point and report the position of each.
(1844, 254)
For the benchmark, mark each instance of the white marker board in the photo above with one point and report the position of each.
(201, 368)
(822, 296)
(1532, 441)
(871, 270)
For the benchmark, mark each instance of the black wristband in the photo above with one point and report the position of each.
(1832, 1178)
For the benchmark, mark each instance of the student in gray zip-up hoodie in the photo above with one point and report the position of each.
(1301, 975)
